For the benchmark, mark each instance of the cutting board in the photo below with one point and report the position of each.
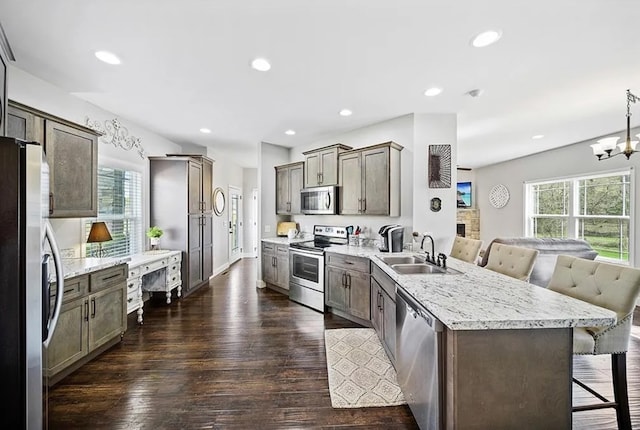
(284, 227)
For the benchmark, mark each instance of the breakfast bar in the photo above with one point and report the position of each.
(504, 351)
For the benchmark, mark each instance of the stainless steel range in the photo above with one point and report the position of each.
(306, 265)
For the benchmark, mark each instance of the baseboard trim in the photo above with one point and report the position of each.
(219, 270)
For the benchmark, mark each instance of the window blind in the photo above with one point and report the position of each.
(120, 207)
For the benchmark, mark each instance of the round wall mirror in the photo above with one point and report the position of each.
(218, 201)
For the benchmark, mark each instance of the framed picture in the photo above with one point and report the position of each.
(464, 194)
(439, 166)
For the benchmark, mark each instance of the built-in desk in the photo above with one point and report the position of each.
(152, 271)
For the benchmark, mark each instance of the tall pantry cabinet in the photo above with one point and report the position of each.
(181, 206)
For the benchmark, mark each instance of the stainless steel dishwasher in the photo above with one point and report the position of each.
(419, 361)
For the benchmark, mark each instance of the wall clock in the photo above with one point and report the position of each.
(499, 196)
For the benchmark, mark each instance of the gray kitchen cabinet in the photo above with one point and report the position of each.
(188, 220)
(289, 182)
(321, 165)
(383, 310)
(72, 155)
(347, 285)
(370, 180)
(275, 265)
(93, 317)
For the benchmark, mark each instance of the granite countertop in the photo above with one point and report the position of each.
(480, 299)
(79, 266)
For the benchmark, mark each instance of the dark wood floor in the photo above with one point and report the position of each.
(234, 356)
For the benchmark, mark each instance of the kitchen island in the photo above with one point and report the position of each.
(505, 350)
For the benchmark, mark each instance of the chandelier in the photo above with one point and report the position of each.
(608, 144)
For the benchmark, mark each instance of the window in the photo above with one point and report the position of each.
(594, 208)
(120, 207)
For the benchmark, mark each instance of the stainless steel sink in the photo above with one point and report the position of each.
(405, 259)
(421, 269)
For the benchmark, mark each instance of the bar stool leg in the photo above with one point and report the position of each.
(619, 375)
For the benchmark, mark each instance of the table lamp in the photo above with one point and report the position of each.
(99, 233)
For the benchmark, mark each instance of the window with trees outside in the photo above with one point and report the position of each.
(595, 208)
(120, 207)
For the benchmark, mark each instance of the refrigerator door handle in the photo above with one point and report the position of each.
(48, 232)
(46, 293)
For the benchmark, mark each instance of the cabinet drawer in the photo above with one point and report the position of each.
(268, 247)
(108, 277)
(387, 284)
(175, 259)
(282, 250)
(348, 262)
(73, 288)
(133, 301)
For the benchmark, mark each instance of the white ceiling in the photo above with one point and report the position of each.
(561, 68)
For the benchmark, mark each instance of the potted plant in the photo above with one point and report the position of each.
(154, 233)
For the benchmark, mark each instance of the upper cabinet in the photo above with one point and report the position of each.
(289, 182)
(72, 155)
(370, 180)
(321, 165)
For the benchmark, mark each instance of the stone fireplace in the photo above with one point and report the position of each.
(468, 223)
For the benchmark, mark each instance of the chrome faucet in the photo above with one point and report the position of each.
(431, 258)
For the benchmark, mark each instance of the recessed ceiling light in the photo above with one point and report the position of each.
(486, 38)
(537, 136)
(205, 130)
(432, 92)
(260, 64)
(345, 112)
(290, 132)
(107, 57)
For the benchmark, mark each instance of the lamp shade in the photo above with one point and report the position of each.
(99, 233)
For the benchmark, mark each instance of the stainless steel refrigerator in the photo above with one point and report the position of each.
(27, 316)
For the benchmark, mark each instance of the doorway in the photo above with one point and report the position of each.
(235, 224)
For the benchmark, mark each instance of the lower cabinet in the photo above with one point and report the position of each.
(383, 310)
(347, 285)
(275, 265)
(92, 318)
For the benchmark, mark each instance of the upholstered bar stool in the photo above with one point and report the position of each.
(609, 286)
(466, 249)
(514, 261)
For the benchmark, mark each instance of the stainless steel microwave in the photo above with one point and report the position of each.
(319, 200)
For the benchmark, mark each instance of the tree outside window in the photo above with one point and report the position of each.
(594, 208)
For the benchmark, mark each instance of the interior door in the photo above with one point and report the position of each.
(235, 224)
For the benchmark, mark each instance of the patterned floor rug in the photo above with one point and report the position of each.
(360, 373)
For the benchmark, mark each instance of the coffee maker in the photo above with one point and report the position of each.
(392, 238)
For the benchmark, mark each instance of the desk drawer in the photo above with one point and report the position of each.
(134, 301)
(152, 267)
(173, 268)
(173, 279)
(133, 285)
(175, 258)
(134, 272)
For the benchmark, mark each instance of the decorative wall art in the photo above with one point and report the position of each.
(436, 204)
(464, 194)
(116, 134)
(439, 166)
(499, 196)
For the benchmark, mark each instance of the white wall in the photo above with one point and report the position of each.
(434, 129)
(225, 173)
(572, 160)
(250, 178)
